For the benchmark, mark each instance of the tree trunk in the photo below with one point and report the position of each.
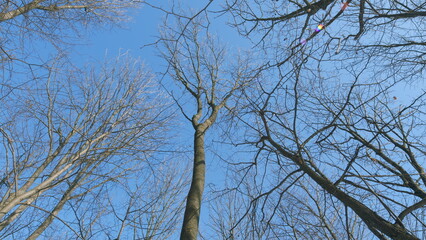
(193, 202)
(369, 217)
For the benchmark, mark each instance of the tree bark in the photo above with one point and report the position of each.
(193, 202)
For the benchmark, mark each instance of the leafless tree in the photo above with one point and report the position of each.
(328, 113)
(77, 141)
(69, 135)
(352, 138)
(207, 79)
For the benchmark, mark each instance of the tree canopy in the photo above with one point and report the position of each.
(317, 121)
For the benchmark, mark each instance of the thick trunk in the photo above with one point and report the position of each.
(193, 202)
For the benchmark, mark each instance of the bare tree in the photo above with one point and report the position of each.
(354, 142)
(199, 67)
(331, 110)
(76, 142)
(70, 134)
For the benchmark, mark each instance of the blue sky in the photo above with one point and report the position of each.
(142, 29)
(129, 37)
(99, 44)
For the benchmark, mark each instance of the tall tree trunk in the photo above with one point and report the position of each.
(193, 202)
